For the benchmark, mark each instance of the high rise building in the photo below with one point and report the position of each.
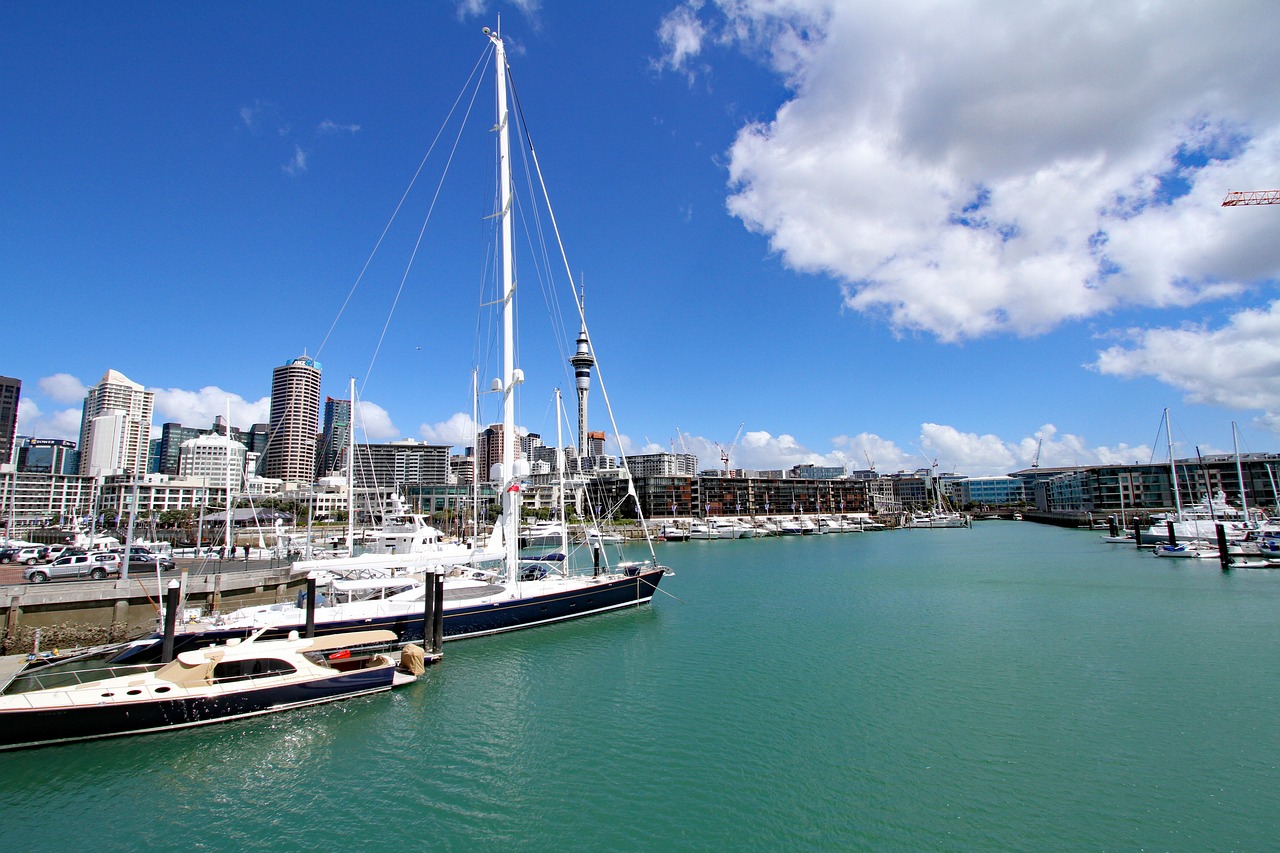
(295, 411)
(337, 433)
(172, 435)
(489, 451)
(115, 426)
(10, 391)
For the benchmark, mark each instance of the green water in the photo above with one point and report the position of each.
(1009, 687)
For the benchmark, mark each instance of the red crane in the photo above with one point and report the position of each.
(1238, 199)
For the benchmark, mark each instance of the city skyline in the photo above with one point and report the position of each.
(865, 233)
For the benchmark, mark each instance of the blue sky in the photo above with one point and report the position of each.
(858, 229)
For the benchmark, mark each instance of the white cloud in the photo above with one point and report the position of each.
(297, 165)
(1236, 366)
(681, 35)
(970, 168)
(374, 423)
(329, 128)
(63, 388)
(200, 408)
(64, 423)
(458, 431)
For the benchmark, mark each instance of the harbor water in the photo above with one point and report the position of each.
(1009, 687)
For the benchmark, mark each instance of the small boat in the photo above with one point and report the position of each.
(790, 527)
(672, 532)
(596, 536)
(1196, 549)
(213, 684)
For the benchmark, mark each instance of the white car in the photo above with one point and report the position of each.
(29, 555)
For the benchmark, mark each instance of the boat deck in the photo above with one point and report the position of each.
(466, 593)
(10, 666)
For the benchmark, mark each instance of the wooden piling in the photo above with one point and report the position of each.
(1223, 557)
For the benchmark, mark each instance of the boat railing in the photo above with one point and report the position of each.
(51, 678)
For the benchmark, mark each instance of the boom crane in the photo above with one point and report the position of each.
(1240, 199)
(724, 454)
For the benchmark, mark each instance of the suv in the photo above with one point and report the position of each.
(8, 555)
(31, 555)
(97, 565)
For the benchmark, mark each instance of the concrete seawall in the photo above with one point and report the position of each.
(86, 613)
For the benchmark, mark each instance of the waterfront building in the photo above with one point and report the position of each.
(156, 493)
(817, 472)
(336, 436)
(32, 499)
(663, 465)
(384, 467)
(295, 411)
(990, 491)
(10, 392)
(115, 426)
(213, 459)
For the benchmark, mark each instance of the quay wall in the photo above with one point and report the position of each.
(87, 613)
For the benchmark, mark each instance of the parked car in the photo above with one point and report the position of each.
(147, 560)
(8, 555)
(97, 565)
(32, 555)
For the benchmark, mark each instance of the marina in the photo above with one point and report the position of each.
(1008, 687)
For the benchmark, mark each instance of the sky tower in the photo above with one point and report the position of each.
(582, 362)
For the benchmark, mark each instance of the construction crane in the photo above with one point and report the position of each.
(724, 454)
(1240, 199)
(1035, 460)
(870, 465)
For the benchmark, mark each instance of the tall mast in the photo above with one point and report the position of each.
(351, 469)
(1173, 465)
(564, 522)
(508, 481)
(1235, 446)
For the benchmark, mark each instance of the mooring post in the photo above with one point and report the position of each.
(428, 611)
(170, 621)
(1137, 531)
(437, 627)
(311, 606)
(1173, 539)
(1223, 557)
(1113, 527)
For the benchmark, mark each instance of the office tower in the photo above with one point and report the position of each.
(10, 391)
(337, 433)
(115, 426)
(295, 411)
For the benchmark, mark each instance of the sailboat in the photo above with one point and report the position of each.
(492, 591)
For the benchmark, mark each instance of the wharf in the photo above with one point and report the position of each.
(87, 613)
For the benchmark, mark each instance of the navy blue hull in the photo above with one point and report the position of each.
(34, 728)
(459, 622)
